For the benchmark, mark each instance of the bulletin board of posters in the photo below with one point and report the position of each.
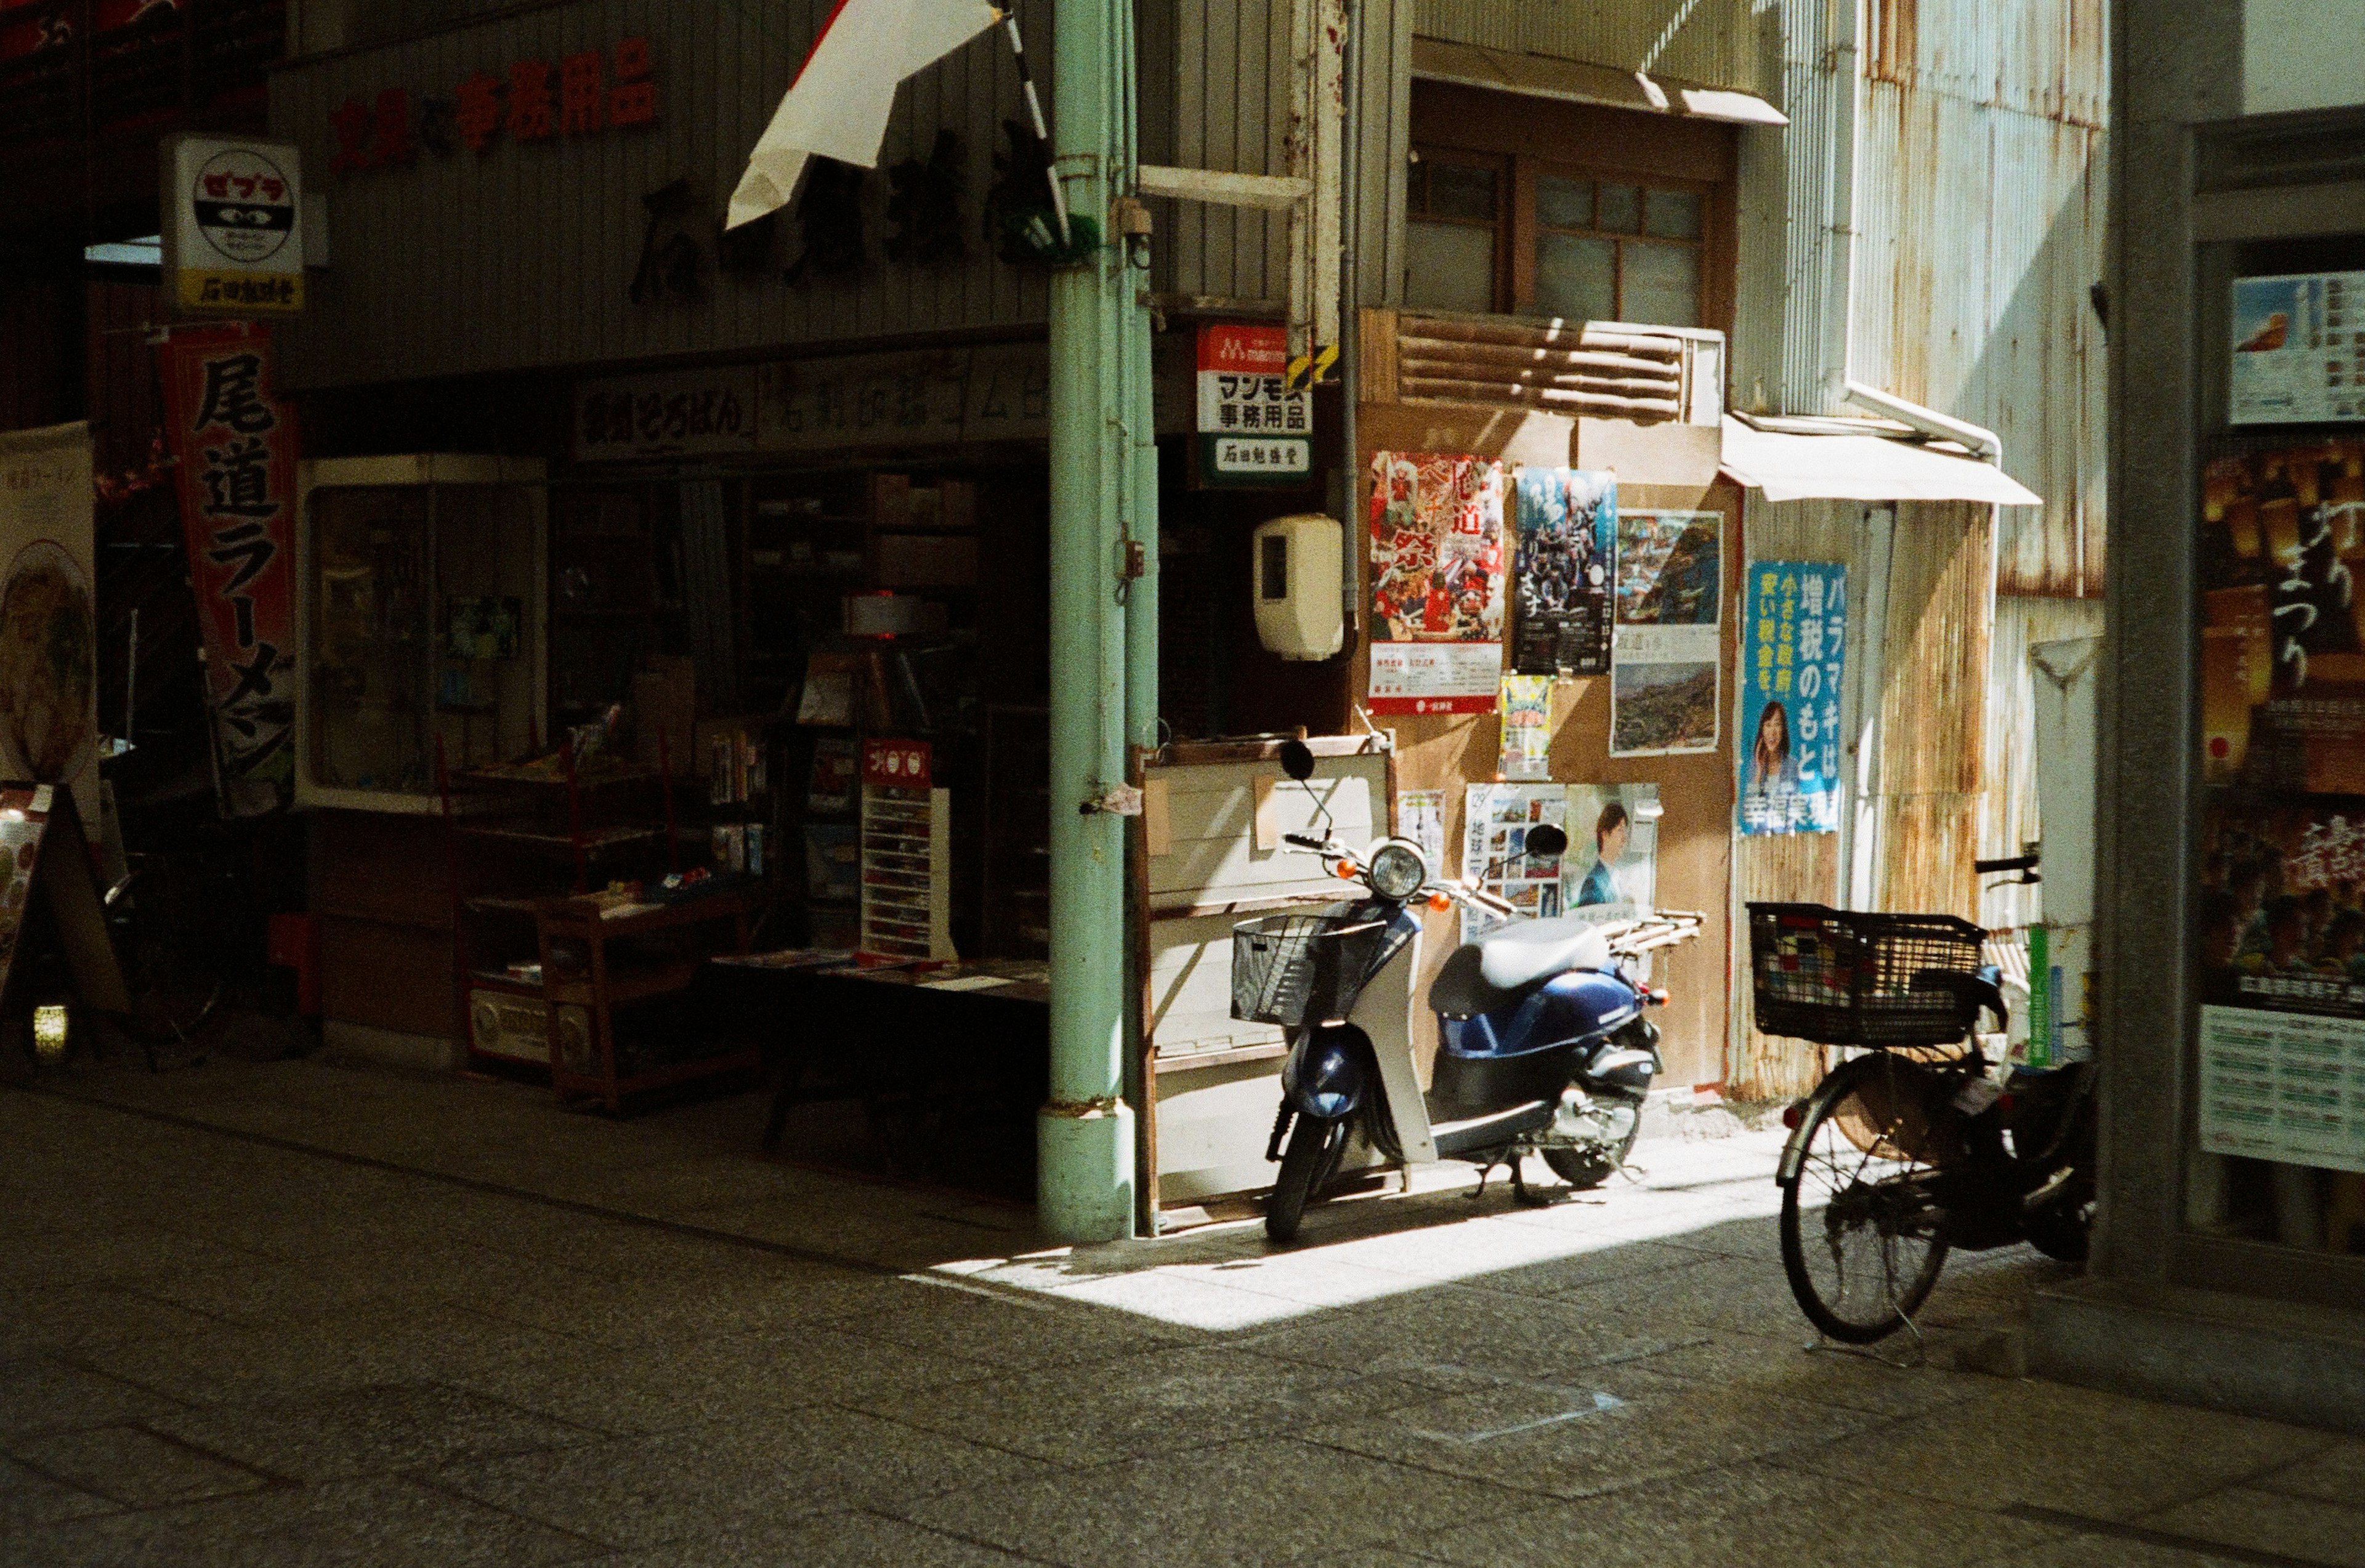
(1793, 656)
(1437, 583)
(1664, 686)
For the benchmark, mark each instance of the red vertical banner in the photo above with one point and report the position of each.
(236, 448)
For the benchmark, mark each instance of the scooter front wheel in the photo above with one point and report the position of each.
(1306, 1166)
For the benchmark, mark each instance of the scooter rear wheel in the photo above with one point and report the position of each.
(1306, 1166)
(1584, 1168)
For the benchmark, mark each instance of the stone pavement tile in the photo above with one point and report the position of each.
(2336, 1473)
(369, 1431)
(1323, 1277)
(1588, 1432)
(384, 1523)
(1265, 1500)
(902, 1241)
(1185, 1300)
(2308, 1528)
(1008, 1328)
(48, 1393)
(1793, 1367)
(1144, 1404)
(760, 1293)
(265, 1292)
(86, 1251)
(2101, 1455)
(29, 1499)
(230, 1364)
(72, 1317)
(1733, 1295)
(857, 1540)
(810, 1364)
(2108, 1551)
(135, 1467)
(1448, 1328)
(732, 1476)
(1502, 1255)
(1750, 1515)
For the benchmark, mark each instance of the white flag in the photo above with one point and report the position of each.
(838, 105)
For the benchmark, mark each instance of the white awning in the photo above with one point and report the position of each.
(1574, 81)
(1863, 468)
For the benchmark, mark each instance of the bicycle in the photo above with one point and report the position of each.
(1915, 1147)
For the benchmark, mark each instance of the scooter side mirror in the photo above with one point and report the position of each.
(1546, 841)
(1297, 760)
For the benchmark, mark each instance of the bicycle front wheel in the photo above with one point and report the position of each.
(1858, 1227)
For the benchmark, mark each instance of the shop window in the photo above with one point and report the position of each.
(1452, 236)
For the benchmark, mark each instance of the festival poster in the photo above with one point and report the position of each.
(2282, 918)
(1793, 654)
(49, 631)
(1437, 583)
(1664, 651)
(2282, 657)
(236, 446)
(1566, 520)
(1526, 714)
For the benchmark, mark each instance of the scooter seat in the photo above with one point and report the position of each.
(1530, 950)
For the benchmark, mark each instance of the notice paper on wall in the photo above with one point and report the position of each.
(2298, 349)
(1526, 713)
(1437, 583)
(2283, 1086)
(1420, 817)
(1663, 661)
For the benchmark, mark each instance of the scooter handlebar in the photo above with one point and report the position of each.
(1304, 841)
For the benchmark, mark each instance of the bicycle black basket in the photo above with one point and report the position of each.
(1855, 978)
(1289, 967)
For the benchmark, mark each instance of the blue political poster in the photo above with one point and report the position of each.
(1792, 657)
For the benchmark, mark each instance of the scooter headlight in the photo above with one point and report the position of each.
(1397, 871)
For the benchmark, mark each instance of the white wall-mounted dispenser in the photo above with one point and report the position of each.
(1294, 562)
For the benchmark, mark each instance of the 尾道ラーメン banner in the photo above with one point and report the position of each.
(236, 446)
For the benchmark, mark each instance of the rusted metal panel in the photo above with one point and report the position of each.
(1713, 42)
(1934, 707)
(522, 256)
(2007, 812)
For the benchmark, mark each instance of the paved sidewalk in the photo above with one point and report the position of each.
(295, 1314)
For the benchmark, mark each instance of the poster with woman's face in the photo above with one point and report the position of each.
(1793, 654)
(1609, 871)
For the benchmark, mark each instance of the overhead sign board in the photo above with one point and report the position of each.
(233, 225)
(1252, 428)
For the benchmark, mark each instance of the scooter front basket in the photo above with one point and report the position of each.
(1287, 968)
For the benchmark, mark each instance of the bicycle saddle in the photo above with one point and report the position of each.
(1530, 950)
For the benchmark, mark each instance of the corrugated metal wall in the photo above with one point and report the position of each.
(2008, 814)
(1979, 214)
(521, 257)
(1715, 42)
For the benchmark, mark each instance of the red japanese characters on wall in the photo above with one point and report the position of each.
(236, 446)
(528, 100)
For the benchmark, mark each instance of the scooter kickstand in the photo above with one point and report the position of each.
(1520, 1185)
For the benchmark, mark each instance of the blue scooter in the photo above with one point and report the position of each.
(1543, 1046)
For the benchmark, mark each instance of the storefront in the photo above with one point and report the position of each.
(2226, 1267)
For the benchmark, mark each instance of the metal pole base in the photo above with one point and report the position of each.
(1085, 1159)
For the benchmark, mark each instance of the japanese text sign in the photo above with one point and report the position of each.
(1793, 656)
(236, 446)
(1252, 430)
(582, 93)
(233, 225)
(897, 765)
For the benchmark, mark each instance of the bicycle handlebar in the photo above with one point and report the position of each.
(2015, 862)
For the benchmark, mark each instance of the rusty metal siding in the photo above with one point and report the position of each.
(1979, 218)
(1714, 42)
(520, 258)
(1933, 718)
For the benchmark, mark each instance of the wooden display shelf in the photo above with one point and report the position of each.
(627, 983)
(589, 1066)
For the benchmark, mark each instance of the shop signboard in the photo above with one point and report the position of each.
(1665, 651)
(898, 764)
(236, 447)
(233, 229)
(1566, 520)
(1793, 654)
(928, 398)
(1253, 429)
(1437, 583)
(687, 413)
(49, 634)
(528, 99)
(2298, 349)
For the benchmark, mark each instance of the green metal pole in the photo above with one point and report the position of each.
(1084, 1133)
(1140, 416)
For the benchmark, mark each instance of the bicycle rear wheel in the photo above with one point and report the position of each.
(1858, 1229)
(176, 986)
